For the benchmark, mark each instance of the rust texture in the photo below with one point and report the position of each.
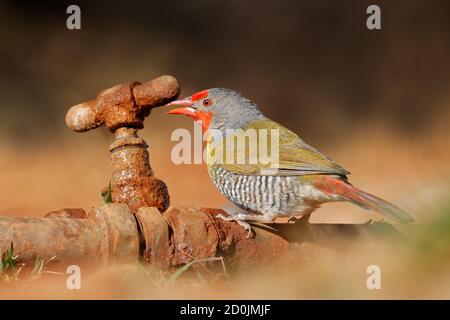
(197, 233)
(112, 234)
(194, 234)
(155, 234)
(121, 229)
(109, 234)
(132, 180)
(75, 213)
(124, 105)
(122, 109)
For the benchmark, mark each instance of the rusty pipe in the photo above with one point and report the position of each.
(198, 233)
(108, 235)
(112, 234)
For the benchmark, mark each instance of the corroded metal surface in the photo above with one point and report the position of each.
(121, 230)
(197, 233)
(194, 234)
(109, 234)
(154, 232)
(263, 247)
(124, 105)
(74, 213)
(132, 180)
(122, 109)
(112, 234)
(68, 240)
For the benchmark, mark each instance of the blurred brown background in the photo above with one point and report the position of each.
(375, 101)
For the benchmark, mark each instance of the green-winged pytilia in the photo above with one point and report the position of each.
(299, 181)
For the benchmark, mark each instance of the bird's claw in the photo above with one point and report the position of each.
(242, 223)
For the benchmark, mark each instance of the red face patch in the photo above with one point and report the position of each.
(199, 95)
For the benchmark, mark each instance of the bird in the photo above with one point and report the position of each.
(300, 181)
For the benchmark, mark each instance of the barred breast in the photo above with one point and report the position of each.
(272, 195)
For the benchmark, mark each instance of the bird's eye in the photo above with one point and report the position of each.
(207, 102)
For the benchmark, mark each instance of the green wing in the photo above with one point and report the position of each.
(295, 157)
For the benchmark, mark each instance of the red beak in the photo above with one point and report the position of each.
(186, 102)
(186, 108)
(187, 111)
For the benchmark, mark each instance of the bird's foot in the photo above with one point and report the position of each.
(242, 223)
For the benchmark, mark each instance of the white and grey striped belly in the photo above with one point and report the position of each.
(274, 195)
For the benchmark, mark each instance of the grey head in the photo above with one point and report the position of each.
(229, 108)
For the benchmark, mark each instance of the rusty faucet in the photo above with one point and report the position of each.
(122, 109)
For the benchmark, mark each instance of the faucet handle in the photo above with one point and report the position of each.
(124, 105)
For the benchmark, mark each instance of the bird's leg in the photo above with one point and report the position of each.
(242, 223)
(241, 218)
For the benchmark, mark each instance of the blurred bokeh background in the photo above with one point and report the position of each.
(378, 102)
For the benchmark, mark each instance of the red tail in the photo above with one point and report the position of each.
(335, 186)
